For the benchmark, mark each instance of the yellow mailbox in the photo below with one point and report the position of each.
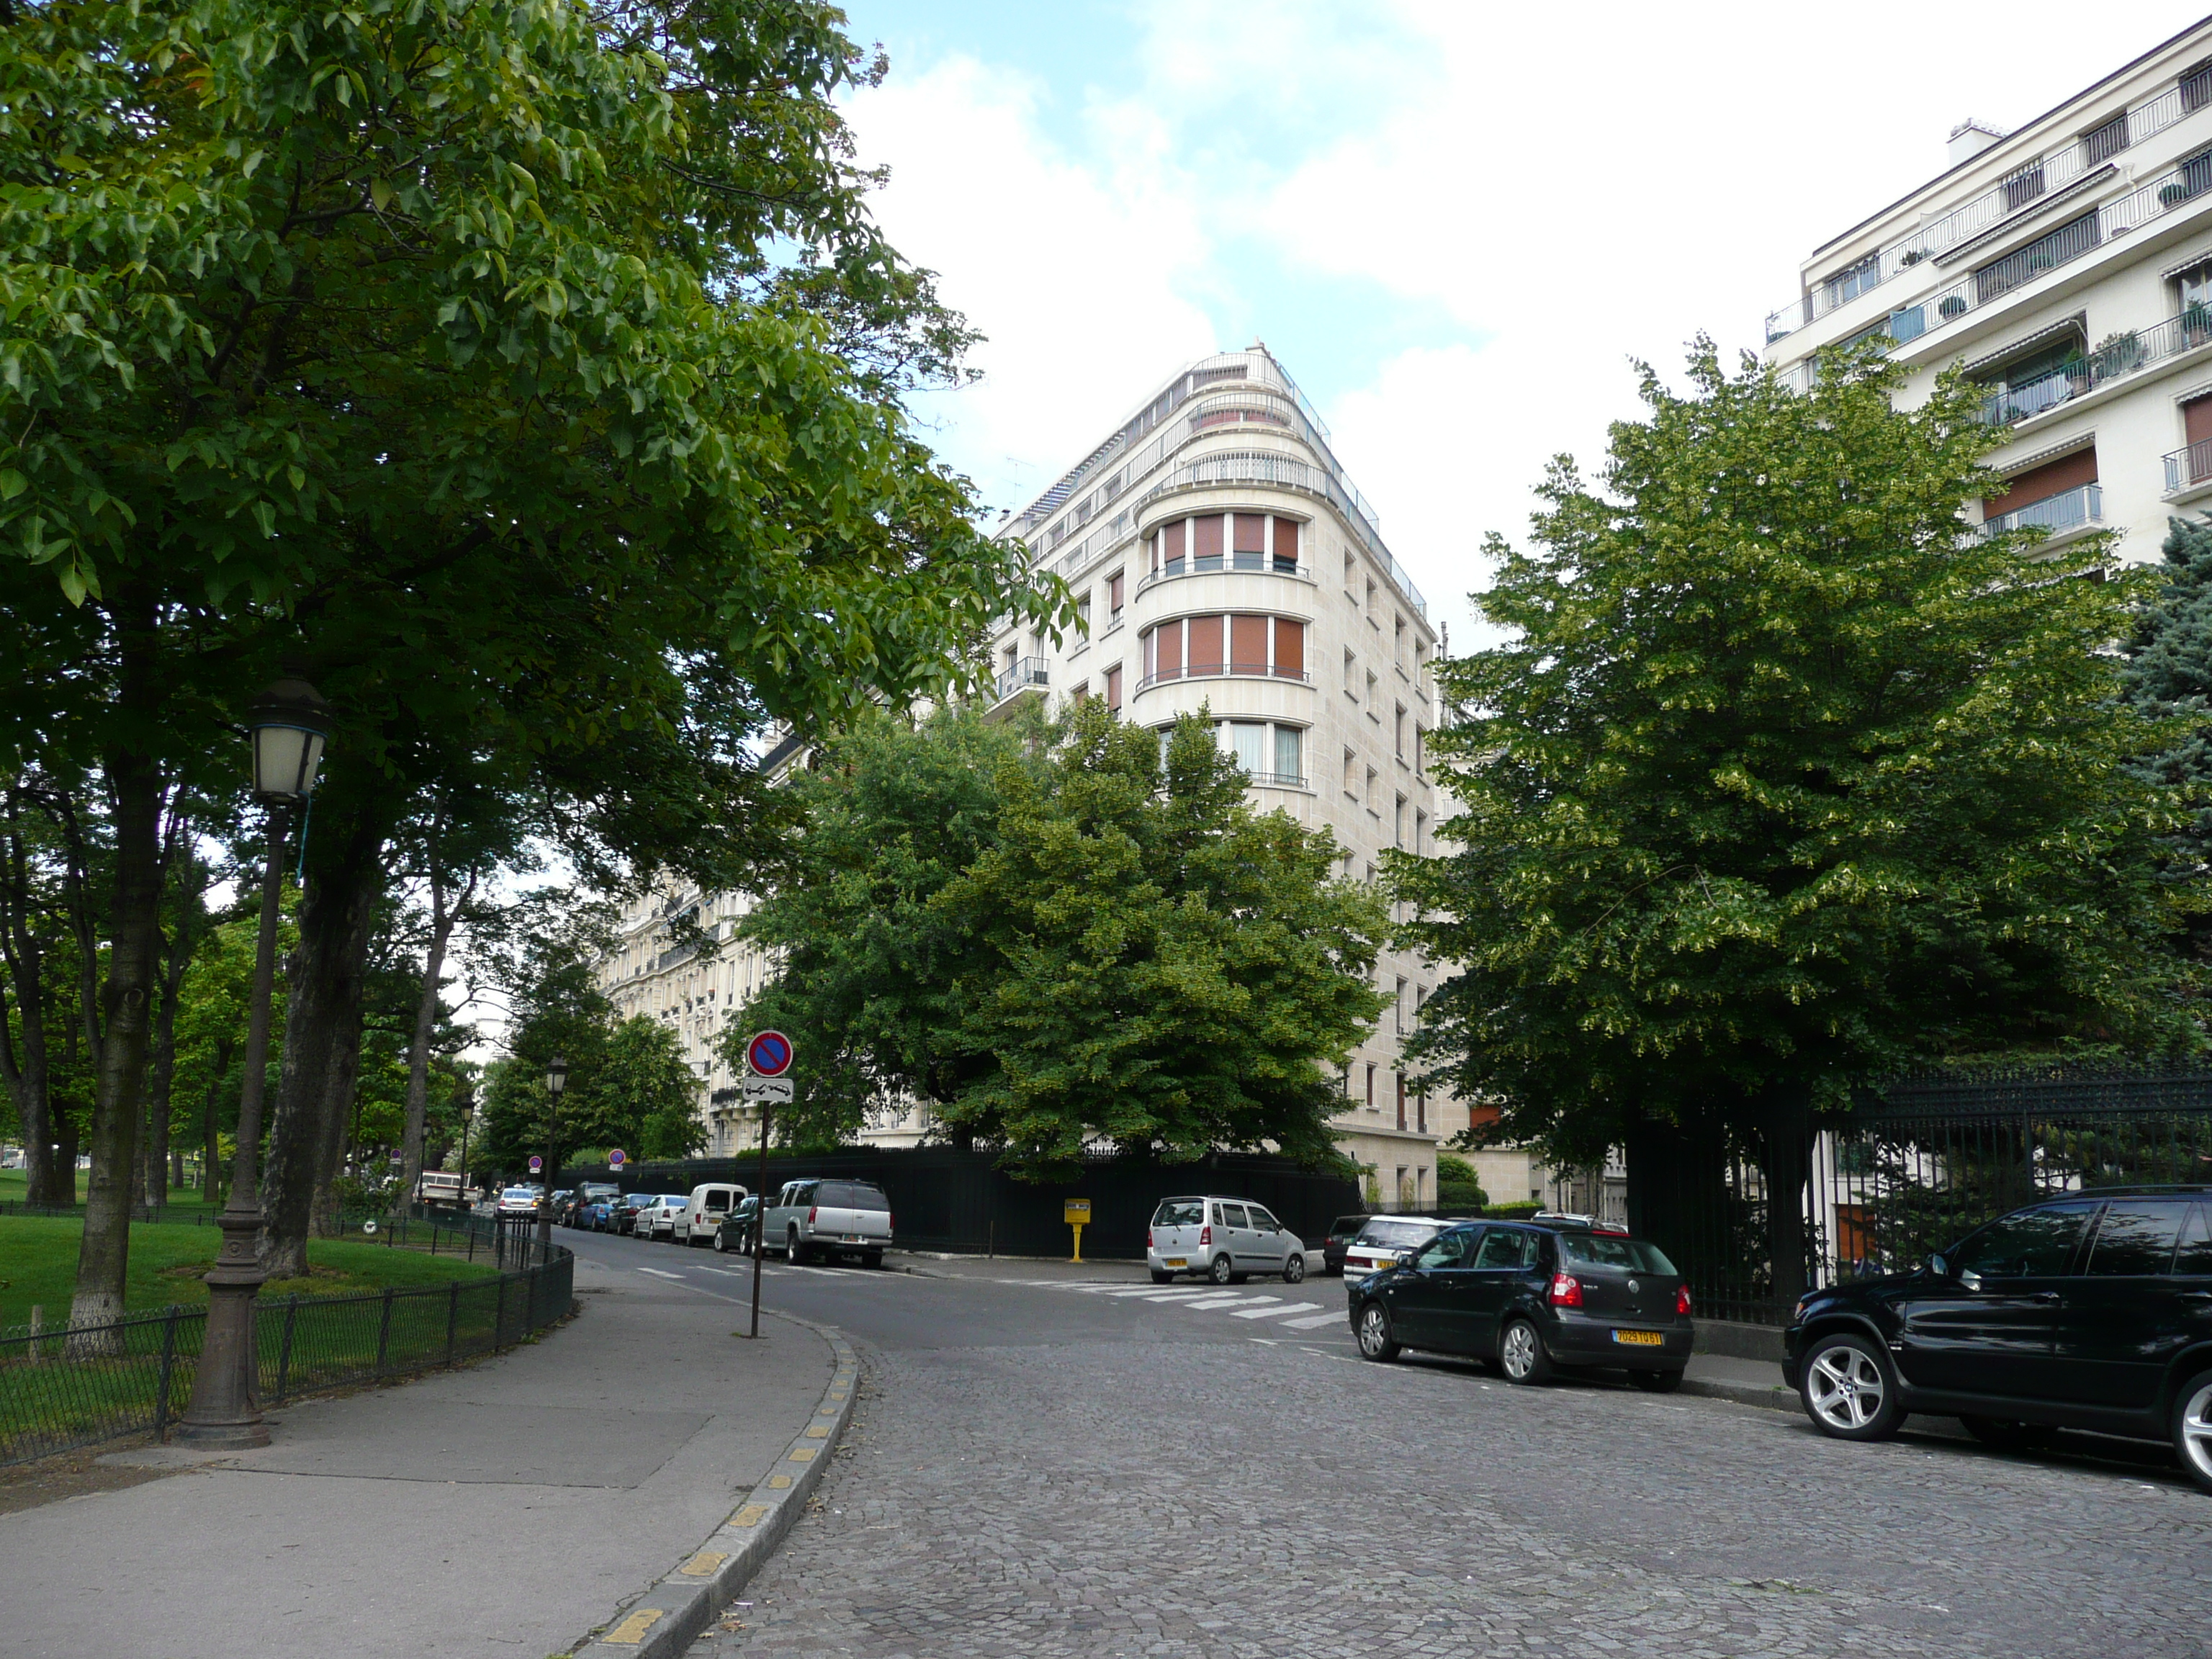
(1076, 1211)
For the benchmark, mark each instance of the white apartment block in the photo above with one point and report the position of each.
(2068, 266)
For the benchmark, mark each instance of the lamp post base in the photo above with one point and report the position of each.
(225, 1413)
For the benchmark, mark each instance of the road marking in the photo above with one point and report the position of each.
(779, 1482)
(1213, 1302)
(727, 1272)
(750, 1516)
(803, 1453)
(1313, 1321)
(703, 1563)
(657, 1274)
(630, 1633)
(1276, 1313)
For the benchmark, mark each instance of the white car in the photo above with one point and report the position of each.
(1226, 1240)
(518, 1200)
(1384, 1239)
(659, 1220)
(704, 1211)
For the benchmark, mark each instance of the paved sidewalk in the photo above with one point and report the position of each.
(500, 1509)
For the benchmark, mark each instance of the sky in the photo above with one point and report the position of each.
(1454, 225)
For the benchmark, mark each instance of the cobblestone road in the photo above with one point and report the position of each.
(1131, 1496)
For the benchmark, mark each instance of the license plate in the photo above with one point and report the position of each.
(1178, 1261)
(1640, 1338)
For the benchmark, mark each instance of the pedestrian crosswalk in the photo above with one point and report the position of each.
(1277, 1312)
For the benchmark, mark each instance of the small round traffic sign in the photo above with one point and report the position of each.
(769, 1054)
(535, 1164)
(617, 1158)
(368, 1226)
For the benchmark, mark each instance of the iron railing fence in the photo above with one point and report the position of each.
(67, 1387)
(2187, 468)
(2068, 509)
(1907, 1177)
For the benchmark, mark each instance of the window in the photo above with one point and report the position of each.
(1114, 687)
(1205, 537)
(1854, 280)
(1351, 779)
(1083, 613)
(1248, 741)
(1351, 676)
(1370, 698)
(1247, 645)
(1197, 646)
(2040, 483)
(1204, 647)
(1421, 1113)
(2046, 252)
(1113, 597)
(1350, 561)
(1507, 1249)
(1263, 1220)
(1232, 1215)
(2024, 187)
(1398, 824)
(1400, 731)
(1420, 746)
(1285, 552)
(1371, 776)
(1398, 1008)
(1421, 832)
(1398, 643)
(1290, 649)
(1167, 558)
(1370, 1088)
(2034, 1244)
(1290, 753)
(1450, 1250)
(2136, 1237)
(1401, 1076)
(1249, 542)
(2102, 143)
(2197, 87)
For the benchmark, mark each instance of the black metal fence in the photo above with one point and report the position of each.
(71, 1386)
(943, 1199)
(1909, 1174)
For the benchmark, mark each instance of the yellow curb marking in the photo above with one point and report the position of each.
(631, 1631)
(704, 1562)
(819, 1432)
(750, 1516)
(802, 1454)
(779, 1482)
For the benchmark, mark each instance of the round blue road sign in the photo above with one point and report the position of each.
(769, 1054)
(617, 1158)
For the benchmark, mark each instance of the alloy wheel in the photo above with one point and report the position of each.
(1846, 1388)
(2194, 1442)
(1374, 1333)
(1519, 1351)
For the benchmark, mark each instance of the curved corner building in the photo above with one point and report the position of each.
(1222, 561)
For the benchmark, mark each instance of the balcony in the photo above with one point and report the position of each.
(1265, 563)
(1029, 671)
(2018, 192)
(1277, 780)
(2117, 357)
(2186, 469)
(1214, 670)
(2069, 509)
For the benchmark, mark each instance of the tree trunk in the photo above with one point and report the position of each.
(324, 982)
(340, 1113)
(135, 793)
(23, 1063)
(425, 1019)
(210, 1146)
(1786, 1134)
(159, 1085)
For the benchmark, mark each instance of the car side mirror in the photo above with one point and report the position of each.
(1969, 1278)
(1940, 1267)
(1405, 1258)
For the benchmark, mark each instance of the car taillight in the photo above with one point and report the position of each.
(1567, 1290)
(1148, 1239)
(1682, 1299)
(812, 1213)
(1205, 1235)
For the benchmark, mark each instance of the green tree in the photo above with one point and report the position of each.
(1459, 1189)
(1784, 779)
(2168, 675)
(643, 1097)
(1098, 941)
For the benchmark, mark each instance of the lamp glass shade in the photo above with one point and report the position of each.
(285, 759)
(557, 1074)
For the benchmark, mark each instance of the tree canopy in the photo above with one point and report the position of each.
(1784, 778)
(1064, 937)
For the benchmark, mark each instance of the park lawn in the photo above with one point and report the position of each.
(38, 1267)
(12, 1188)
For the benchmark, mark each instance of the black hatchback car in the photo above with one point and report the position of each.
(1525, 1297)
(2092, 1311)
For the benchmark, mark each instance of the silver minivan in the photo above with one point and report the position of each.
(1226, 1240)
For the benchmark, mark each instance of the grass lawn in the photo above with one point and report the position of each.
(179, 1198)
(37, 1265)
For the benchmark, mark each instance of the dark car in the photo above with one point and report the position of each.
(622, 1217)
(1341, 1232)
(590, 1214)
(1530, 1296)
(2092, 1311)
(735, 1231)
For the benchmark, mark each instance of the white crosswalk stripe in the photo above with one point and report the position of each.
(1283, 1312)
(1275, 1313)
(1314, 1323)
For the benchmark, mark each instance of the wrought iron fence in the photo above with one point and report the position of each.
(66, 1386)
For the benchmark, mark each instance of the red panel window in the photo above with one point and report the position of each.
(2041, 483)
(1207, 533)
(1247, 645)
(1290, 649)
(1286, 543)
(1170, 549)
(1113, 593)
(1206, 645)
(1251, 534)
(1114, 688)
(1170, 642)
(2197, 420)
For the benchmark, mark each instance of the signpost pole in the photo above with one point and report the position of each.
(768, 1056)
(760, 1220)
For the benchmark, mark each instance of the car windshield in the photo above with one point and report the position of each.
(1611, 1250)
(518, 1192)
(1347, 1224)
(851, 1195)
(1179, 1212)
(1398, 1235)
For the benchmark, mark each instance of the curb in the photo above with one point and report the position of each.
(1772, 1398)
(662, 1621)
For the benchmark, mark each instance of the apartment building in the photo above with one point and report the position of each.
(1222, 562)
(2068, 266)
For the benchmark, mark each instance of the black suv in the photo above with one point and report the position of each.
(2091, 1311)
(1526, 1297)
(1338, 1239)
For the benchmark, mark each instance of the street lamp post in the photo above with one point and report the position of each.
(290, 724)
(556, 1079)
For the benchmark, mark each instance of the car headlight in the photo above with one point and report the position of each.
(1798, 1312)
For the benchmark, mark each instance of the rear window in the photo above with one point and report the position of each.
(851, 1195)
(1347, 1224)
(1398, 1234)
(1610, 1250)
(1179, 1212)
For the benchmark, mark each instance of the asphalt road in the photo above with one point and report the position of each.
(1046, 1469)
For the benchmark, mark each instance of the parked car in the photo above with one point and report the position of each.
(1384, 1238)
(518, 1200)
(1341, 1232)
(622, 1213)
(592, 1195)
(563, 1201)
(827, 1217)
(2094, 1311)
(590, 1214)
(659, 1219)
(736, 1231)
(1530, 1296)
(703, 1209)
(1226, 1240)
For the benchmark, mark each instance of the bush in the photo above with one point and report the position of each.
(1458, 1188)
(1512, 1211)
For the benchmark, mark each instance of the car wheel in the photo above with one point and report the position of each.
(1376, 1341)
(720, 1247)
(2006, 1434)
(1521, 1352)
(1849, 1390)
(1220, 1273)
(2192, 1428)
(1294, 1271)
(1160, 1276)
(791, 1247)
(1656, 1382)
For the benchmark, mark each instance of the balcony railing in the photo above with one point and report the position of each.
(2120, 356)
(1214, 670)
(1030, 670)
(1265, 564)
(2187, 468)
(2069, 509)
(2019, 190)
(1278, 780)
